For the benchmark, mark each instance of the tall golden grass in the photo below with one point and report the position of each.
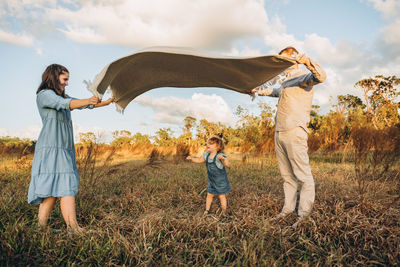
(376, 155)
(148, 212)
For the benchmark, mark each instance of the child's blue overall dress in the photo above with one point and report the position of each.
(218, 183)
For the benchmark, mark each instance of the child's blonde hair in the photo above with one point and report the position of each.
(217, 140)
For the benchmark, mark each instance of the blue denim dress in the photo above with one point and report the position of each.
(54, 171)
(218, 183)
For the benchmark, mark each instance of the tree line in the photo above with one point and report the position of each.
(377, 110)
(351, 117)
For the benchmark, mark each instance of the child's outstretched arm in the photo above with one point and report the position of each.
(196, 160)
(224, 160)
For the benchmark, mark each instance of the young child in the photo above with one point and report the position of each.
(216, 161)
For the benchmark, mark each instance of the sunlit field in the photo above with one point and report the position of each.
(148, 211)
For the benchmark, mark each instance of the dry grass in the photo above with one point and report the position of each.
(151, 216)
(376, 157)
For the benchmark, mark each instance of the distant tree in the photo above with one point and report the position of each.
(206, 129)
(140, 139)
(87, 138)
(379, 90)
(380, 95)
(125, 133)
(15, 145)
(315, 118)
(256, 132)
(115, 134)
(187, 136)
(189, 123)
(266, 116)
(163, 137)
(348, 102)
(121, 138)
(332, 130)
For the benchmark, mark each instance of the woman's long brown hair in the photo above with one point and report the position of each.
(50, 79)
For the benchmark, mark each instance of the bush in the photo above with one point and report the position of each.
(376, 152)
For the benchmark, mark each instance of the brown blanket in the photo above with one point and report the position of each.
(135, 74)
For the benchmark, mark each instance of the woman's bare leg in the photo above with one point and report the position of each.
(68, 211)
(45, 209)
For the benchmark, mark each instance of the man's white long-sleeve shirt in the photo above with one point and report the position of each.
(295, 97)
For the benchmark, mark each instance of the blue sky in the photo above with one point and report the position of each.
(350, 39)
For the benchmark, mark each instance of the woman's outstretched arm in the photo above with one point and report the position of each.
(104, 103)
(78, 103)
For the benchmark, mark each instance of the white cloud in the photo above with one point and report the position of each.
(388, 8)
(331, 86)
(345, 62)
(32, 132)
(336, 59)
(16, 39)
(17, 7)
(207, 24)
(102, 134)
(334, 85)
(26, 15)
(277, 38)
(173, 109)
(39, 51)
(391, 33)
(341, 54)
(199, 23)
(245, 52)
(167, 118)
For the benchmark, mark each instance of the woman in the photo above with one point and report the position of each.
(54, 171)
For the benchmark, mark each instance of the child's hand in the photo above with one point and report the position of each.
(224, 160)
(220, 157)
(189, 158)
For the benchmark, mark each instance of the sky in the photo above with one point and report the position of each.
(350, 39)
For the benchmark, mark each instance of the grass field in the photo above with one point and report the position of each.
(151, 213)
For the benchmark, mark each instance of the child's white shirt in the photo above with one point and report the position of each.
(219, 164)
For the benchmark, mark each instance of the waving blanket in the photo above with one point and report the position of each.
(151, 68)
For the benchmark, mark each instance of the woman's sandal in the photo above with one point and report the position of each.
(205, 212)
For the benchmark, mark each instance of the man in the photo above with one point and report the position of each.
(291, 132)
